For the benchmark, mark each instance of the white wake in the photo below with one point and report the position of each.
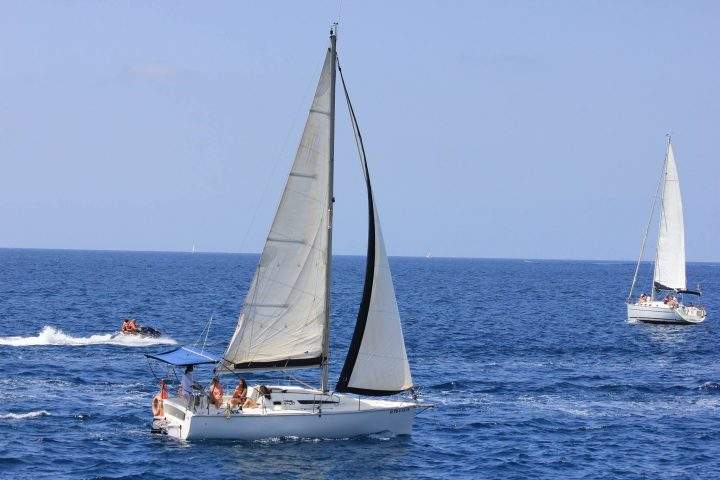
(23, 416)
(54, 336)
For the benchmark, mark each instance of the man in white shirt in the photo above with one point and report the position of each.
(187, 382)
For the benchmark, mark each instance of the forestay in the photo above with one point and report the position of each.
(284, 315)
(376, 363)
(670, 260)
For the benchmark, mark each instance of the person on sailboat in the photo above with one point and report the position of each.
(642, 298)
(254, 401)
(670, 301)
(216, 392)
(187, 383)
(239, 396)
(157, 402)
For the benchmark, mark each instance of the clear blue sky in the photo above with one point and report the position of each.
(493, 129)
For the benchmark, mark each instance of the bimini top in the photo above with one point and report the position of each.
(183, 356)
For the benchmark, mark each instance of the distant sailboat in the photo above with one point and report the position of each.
(285, 320)
(193, 248)
(669, 271)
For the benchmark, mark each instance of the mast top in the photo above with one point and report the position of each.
(333, 29)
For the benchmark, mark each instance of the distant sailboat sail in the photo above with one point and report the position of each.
(376, 363)
(670, 261)
(284, 317)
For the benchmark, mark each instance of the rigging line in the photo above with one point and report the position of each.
(647, 229)
(207, 332)
(339, 14)
(202, 332)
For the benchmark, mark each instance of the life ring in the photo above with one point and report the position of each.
(157, 406)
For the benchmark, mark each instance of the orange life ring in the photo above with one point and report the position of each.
(157, 406)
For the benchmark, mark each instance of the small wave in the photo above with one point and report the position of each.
(54, 336)
(709, 387)
(24, 416)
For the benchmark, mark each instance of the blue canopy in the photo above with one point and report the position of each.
(183, 356)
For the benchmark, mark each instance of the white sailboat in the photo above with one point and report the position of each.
(285, 319)
(669, 273)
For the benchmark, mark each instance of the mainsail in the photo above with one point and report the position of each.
(670, 256)
(376, 363)
(284, 318)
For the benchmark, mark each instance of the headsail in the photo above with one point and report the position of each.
(284, 317)
(670, 256)
(376, 363)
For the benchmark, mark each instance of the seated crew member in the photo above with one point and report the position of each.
(252, 401)
(239, 396)
(216, 392)
(643, 298)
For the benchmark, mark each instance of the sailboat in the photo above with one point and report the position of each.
(669, 271)
(284, 323)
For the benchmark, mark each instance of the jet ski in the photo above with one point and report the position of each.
(145, 332)
(130, 327)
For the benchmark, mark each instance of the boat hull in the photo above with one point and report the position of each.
(657, 312)
(345, 417)
(301, 425)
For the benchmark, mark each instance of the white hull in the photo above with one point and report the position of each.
(658, 312)
(318, 416)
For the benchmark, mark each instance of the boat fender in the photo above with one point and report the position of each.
(157, 406)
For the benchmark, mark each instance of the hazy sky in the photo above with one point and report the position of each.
(493, 129)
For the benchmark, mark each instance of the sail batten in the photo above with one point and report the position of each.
(284, 317)
(670, 256)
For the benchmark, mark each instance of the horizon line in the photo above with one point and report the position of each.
(459, 257)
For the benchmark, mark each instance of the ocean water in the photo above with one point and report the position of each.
(533, 369)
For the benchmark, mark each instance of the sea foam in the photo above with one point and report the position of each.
(54, 336)
(23, 416)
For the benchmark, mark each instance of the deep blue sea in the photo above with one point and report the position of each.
(533, 369)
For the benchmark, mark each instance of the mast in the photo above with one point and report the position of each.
(662, 212)
(330, 201)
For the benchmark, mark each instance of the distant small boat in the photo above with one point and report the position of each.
(130, 327)
(669, 271)
(193, 249)
(428, 256)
